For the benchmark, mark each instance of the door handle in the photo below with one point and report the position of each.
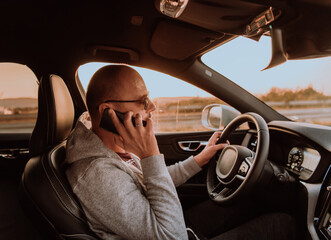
(191, 146)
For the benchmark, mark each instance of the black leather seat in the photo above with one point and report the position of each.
(45, 192)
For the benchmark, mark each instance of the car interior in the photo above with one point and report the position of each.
(54, 38)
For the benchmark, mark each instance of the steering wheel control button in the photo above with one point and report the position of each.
(243, 169)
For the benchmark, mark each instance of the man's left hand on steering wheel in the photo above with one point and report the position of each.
(210, 149)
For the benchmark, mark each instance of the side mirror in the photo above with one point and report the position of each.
(217, 116)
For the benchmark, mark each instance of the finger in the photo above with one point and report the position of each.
(118, 125)
(220, 146)
(138, 120)
(128, 121)
(214, 138)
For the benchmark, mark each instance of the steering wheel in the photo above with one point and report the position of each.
(237, 168)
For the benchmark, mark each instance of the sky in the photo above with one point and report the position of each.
(17, 80)
(240, 60)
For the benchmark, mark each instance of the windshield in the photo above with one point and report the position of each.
(298, 89)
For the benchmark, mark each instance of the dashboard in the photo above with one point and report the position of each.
(304, 150)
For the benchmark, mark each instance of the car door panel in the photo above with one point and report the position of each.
(14, 153)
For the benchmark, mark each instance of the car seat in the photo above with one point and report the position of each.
(45, 193)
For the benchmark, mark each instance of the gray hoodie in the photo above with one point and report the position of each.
(117, 206)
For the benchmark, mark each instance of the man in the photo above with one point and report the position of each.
(121, 180)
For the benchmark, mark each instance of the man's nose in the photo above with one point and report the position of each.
(151, 106)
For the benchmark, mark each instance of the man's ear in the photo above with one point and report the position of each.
(96, 121)
(102, 108)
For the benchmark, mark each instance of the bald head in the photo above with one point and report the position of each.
(112, 82)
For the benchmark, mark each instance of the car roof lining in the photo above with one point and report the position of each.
(180, 41)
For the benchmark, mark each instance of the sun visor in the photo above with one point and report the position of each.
(179, 41)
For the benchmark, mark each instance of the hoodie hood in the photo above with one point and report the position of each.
(84, 143)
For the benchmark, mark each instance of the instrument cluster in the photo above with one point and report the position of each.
(303, 161)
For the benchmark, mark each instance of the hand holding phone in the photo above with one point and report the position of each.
(107, 124)
(138, 140)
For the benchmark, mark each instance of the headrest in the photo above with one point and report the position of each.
(55, 114)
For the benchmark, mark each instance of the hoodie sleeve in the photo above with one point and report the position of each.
(111, 198)
(180, 172)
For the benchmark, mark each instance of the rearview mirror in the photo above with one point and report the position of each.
(171, 8)
(217, 116)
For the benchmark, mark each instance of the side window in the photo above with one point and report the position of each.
(178, 104)
(18, 98)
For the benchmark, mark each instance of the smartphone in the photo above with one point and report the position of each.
(107, 124)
